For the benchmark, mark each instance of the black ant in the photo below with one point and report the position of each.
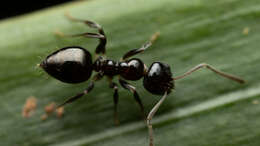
(74, 65)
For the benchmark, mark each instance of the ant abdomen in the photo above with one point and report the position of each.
(69, 65)
(158, 79)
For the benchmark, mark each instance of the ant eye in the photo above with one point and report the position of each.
(70, 65)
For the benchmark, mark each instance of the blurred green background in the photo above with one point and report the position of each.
(204, 109)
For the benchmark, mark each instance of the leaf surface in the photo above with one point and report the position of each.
(204, 109)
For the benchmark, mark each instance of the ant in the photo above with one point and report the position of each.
(74, 65)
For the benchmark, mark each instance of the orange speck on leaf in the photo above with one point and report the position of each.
(50, 108)
(29, 107)
(60, 112)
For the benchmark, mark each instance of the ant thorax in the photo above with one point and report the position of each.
(132, 69)
(107, 66)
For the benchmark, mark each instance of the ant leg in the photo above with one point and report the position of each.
(86, 91)
(136, 51)
(101, 48)
(86, 34)
(150, 116)
(144, 47)
(115, 87)
(132, 89)
(79, 95)
(202, 65)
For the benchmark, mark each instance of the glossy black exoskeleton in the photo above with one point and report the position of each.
(75, 65)
(158, 79)
(69, 65)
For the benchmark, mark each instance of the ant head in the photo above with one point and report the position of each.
(158, 79)
(70, 64)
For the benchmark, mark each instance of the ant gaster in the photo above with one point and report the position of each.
(74, 65)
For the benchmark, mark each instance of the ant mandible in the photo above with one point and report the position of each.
(74, 65)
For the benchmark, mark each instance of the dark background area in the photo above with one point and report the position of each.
(15, 7)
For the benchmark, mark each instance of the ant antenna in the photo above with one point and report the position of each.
(203, 65)
(150, 116)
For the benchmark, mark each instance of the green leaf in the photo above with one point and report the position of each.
(203, 110)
